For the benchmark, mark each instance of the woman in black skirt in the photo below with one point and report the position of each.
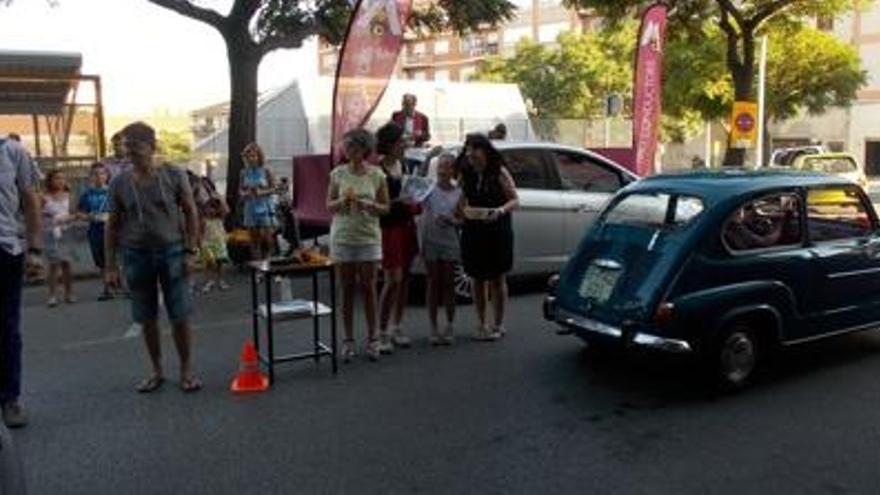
(489, 196)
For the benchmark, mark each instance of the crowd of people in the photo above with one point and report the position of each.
(152, 221)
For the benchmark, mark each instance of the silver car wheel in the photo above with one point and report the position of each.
(738, 357)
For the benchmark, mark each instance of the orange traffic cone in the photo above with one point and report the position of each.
(249, 378)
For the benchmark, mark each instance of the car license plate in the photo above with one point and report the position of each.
(598, 283)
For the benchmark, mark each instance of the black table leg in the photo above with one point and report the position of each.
(316, 329)
(255, 319)
(269, 329)
(333, 318)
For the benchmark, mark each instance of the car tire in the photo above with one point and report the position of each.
(735, 357)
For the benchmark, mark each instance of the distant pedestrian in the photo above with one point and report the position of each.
(357, 196)
(400, 243)
(440, 247)
(498, 133)
(94, 206)
(118, 162)
(416, 126)
(153, 220)
(214, 253)
(256, 187)
(20, 231)
(59, 246)
(487, 235)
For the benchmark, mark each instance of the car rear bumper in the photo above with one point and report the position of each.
(588, 329)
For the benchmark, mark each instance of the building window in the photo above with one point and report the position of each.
(418, 75)
(418, 49)
(441, 75)
(441, 47)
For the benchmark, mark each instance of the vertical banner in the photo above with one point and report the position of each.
(366, 62)
(648, 88)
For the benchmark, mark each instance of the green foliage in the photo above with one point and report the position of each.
(807, 70)
(175, 146)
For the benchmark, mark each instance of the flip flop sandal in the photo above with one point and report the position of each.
(190, 384)
(150, 384)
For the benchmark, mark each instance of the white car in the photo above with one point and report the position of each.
(561, 190)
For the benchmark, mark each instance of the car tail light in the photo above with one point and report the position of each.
(664, 313)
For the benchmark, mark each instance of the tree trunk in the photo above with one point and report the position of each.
(243, 68)
(742, 70)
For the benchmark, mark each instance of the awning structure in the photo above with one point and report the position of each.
(55, 108)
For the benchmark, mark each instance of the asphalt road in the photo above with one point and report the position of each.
(535, 413)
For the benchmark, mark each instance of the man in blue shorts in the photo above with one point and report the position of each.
(154, 224)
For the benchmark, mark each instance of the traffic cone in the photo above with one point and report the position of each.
(249, 377)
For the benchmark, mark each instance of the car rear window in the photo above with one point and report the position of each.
(658, 210)
(830, 165)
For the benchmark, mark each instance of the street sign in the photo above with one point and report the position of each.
(744, 125)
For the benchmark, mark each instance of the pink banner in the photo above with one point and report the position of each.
(648, 89)
(366, 62)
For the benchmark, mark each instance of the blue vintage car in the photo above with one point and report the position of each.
(726, 265)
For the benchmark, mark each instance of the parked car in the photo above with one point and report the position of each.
(561, 191)
(726, 265)
(784, 157)
(843, 164)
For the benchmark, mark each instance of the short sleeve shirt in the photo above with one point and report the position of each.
(149, 209)
(356, 227)
(18, 175)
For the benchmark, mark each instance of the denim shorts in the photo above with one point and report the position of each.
(146, 270)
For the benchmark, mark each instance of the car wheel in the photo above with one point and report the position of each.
(463, 285)
(736, 357)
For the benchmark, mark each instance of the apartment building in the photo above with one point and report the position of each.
(449, 57)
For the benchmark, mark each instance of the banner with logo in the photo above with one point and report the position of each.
(744, 125)
(648, 88)
(366, 62)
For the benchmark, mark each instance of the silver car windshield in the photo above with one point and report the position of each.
(658, 211)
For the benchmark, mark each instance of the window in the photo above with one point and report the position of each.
(768, 222)
(419, 75)
(836, 213)
(441, 47)
(653, 210)
(579, 173)
(441, 75)
(530, 169)
(831, 164)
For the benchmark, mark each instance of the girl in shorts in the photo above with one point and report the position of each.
(440, 247)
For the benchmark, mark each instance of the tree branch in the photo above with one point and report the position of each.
(244, 9)
(727, 7)
(771, 8)
(275, 42)
(187, 9)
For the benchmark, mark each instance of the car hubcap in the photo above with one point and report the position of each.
(462, 283)
(737, 357)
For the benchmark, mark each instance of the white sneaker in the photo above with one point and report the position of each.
(401, 339)
(373, 350)
(435, 339)
(385, 345)
(449, 335)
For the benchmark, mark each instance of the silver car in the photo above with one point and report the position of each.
(561, 192)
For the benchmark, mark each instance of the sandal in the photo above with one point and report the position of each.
(484, 335)
(373, 350)
(190, 384)
(347, 350)
(150, 384)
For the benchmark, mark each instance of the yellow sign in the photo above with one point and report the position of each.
(744, 125)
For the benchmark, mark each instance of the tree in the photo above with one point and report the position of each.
(253, 28)
(807, 70)
(175, 146)
(740, 22)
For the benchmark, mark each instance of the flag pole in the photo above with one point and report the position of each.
(762, 85)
